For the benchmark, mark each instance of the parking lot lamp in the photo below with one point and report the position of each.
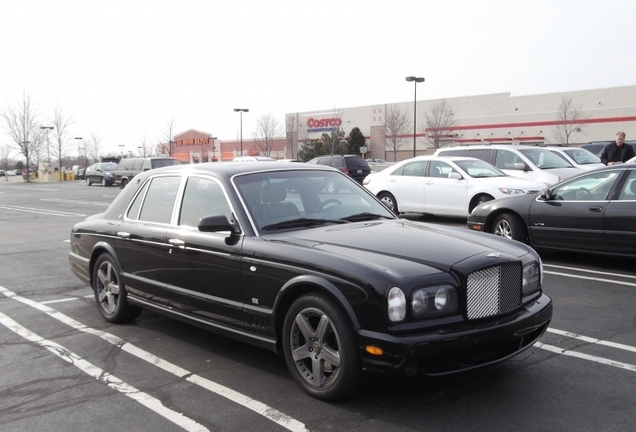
(415, 81)
(79, 154)
(48, 145)
(241, 110)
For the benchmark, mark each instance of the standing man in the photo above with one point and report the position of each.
(617, 152)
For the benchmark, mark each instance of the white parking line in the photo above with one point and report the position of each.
(75, 202)
(40, 211)
(590, 271)
(580, 355)
(610, 281)
(103, 376)
(593, 340)
(272, 414)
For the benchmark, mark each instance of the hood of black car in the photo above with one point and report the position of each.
(437, 246)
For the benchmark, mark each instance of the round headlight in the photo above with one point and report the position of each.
(420, 302)
(397, 304)
(441, 299)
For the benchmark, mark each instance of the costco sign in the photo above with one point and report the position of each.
(323, 125)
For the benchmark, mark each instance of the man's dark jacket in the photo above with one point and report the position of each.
(614, 153)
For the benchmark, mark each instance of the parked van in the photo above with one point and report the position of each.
(529, 162)
(128, 168)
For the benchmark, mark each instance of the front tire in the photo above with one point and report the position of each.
(320, 348)
(88, 181)
(389, 201)
(480, 199)
(110, 293)
(510, 226)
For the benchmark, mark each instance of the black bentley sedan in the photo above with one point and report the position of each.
(336, 283)
(594, 212)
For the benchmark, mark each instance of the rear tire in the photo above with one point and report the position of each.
(88, 182)
(510, 226)
(110, 292)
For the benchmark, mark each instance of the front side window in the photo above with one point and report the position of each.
(158, 200)
(592, 187)
(439, 169)
(414, 169)
(506, 159)
(202, 197)
(628, 193)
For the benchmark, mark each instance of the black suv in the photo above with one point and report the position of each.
(128, 168)
(352, 165)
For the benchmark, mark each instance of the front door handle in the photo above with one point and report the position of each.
(123, 234)
(596, 208)
(176, 242)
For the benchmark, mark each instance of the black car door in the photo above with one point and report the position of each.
(203, 268)
(572, 217)
(619, 223)
(141, 238)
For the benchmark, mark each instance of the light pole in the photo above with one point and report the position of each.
(214, 158)
(241, 110)
(140, 148)
(121, 150)
(415, 80)
(79, 155)
(48, 146)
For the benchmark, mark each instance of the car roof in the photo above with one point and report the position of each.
(230, 169)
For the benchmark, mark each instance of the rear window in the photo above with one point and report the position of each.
(159, 163)
(356, 162)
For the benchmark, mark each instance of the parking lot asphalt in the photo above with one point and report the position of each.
(64, 368)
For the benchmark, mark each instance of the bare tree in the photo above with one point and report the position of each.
(144, 147)
(396, 126)
(440, 122)
(291, 135)
(166, 140)
(267, 129)
(570, 119)
(93, 148)
(61, 122)
(22, 125)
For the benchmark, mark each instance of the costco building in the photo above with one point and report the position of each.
(494, 118)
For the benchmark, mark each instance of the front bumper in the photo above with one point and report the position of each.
(459, 348)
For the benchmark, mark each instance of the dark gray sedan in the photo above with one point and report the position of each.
(594, 212)
(101, 173)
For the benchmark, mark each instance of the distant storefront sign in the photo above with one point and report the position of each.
(323, 125)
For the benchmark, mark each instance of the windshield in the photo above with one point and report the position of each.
(478, 168)
(582, 156)
(545, 159)
(304, 198)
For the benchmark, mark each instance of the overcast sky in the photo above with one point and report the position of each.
(122, 69)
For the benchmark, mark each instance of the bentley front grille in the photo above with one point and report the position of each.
(493, 291)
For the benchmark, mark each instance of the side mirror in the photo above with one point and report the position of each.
(520, 166)
(218, 223)
(454, 175)
(546, 195)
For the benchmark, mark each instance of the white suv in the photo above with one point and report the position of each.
(529, 162)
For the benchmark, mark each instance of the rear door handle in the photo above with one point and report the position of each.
(176, 242)
(123, 234)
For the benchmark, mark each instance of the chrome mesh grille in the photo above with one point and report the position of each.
(493, 291)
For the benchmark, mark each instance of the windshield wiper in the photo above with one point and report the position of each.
(291, 223)
(364, 216)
